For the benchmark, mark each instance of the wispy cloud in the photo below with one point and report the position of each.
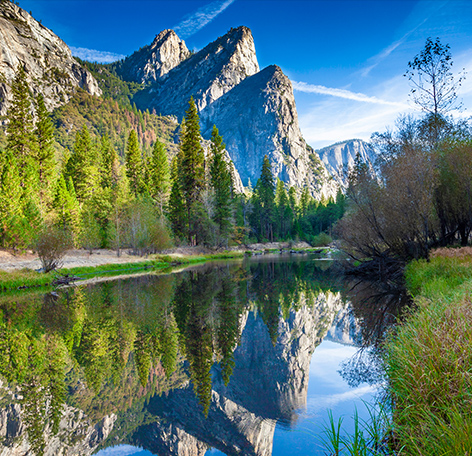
(192, 23)
(321, 402)
(342, 93)
(329, 119)
(389, 49)
(92, 55)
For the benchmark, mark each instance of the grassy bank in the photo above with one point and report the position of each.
(429, 359)
(27, 279)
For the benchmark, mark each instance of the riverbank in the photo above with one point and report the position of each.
(429, 358)
(22, 271)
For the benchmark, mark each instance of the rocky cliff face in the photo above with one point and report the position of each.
(48, 62)
(254, 110)
(258, 117)
(76, 435)
(206, 75)
(152, 63)
(339, 158)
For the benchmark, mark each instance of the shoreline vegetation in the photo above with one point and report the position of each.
(428, 358)
(15, 278)
(425, 409)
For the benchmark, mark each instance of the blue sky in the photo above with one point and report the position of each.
(346, 59)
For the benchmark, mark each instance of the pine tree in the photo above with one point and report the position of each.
(177, 208)
(304, 202)
(159, 175)
(192, 162)
(134, 164)
(221, 183)
(66, 206)
(110, 163)
(265, 191)
(44, 134)
(10, 201)
(283, 210)
(83, 165)
(20, 139)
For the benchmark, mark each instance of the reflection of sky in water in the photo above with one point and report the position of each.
(326, 390)
(124, 450)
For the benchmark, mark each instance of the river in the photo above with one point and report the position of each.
(242, 357)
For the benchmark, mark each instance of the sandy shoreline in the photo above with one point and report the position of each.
(76, 258)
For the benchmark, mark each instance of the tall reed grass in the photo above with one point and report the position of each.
(371, 437)
(428, 360)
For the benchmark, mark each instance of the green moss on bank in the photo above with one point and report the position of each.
(429, 360)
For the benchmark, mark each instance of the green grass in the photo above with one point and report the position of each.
(27, 279)
(369, 438)
(429, 361)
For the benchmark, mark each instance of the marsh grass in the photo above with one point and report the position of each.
(429, 360)
(371, 437)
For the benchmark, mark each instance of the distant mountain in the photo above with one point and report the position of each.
(259, 117)
(152, 63)
(48, 62)
(339, 158)
(206, 75)
(254, 110)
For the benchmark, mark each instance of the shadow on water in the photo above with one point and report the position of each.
(376, 306)
(214, 356)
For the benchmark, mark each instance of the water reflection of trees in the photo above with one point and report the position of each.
(126, 340)
(377, 306)
(208, 313)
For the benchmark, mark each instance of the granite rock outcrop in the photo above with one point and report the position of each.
(152, 63)
(254, 110)
(340, 158)
(47, 60)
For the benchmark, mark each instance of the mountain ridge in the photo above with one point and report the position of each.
(254, 110)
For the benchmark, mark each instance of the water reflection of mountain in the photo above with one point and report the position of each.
(144, 360)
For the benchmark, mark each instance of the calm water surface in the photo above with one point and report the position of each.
(242, 357)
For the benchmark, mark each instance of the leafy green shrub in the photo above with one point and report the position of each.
(321, 240)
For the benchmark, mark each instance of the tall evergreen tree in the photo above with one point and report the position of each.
(66, 206)
(159, 175)
(44, 134)
(284, 213)
(264, 203)
(177, 209)
(110, 163)
(221, 183)
(192, 162)
(20, 138)
(10, 200)
(83, 165)
(304, 202)
(134, 164)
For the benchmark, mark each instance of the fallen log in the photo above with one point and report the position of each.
(66, 279)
